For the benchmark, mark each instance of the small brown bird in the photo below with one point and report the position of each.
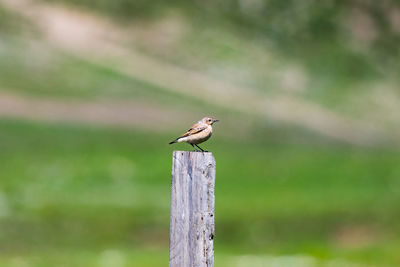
(198, 133)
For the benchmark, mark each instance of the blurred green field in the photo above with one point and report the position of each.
(73, 191)
(294, 187)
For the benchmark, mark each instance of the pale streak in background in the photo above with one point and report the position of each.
(98, 40)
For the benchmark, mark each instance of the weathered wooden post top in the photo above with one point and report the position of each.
(192, 209)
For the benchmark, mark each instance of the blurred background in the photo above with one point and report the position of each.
(307, 147)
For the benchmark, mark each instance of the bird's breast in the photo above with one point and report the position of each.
(200, 137)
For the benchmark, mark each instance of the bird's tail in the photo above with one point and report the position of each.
(175, 141)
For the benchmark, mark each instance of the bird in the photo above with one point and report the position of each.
(198, 133)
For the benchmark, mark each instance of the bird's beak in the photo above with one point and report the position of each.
(215, 121)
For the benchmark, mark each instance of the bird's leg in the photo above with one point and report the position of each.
(202, 150)
(194, 148)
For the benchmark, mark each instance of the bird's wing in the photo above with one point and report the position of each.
(196, 128)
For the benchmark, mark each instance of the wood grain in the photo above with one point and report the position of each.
(192, 209)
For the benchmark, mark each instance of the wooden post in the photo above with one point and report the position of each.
(192, 210)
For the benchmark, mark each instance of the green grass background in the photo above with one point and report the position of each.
(83, 195)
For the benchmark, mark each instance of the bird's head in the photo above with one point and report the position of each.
(209, 120)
